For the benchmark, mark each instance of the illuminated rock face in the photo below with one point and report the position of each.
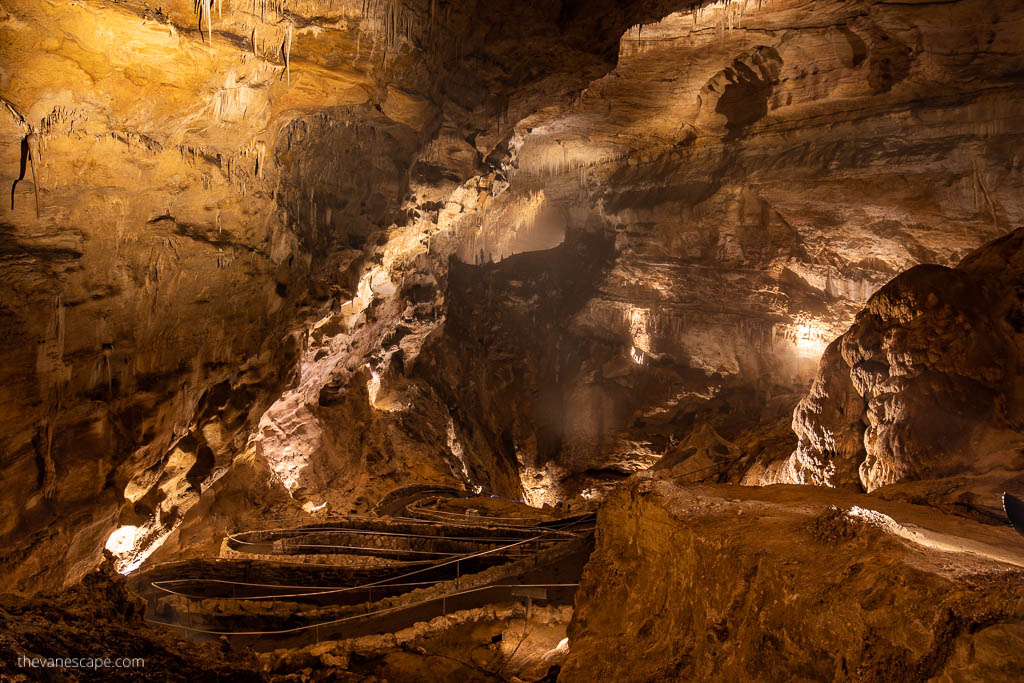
(759, 176)
(333, 248)
(736, 583)
(202, 181)
(924, 385)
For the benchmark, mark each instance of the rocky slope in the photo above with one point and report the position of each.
(100, 619)
(730, 583)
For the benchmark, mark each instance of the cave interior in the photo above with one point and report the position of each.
(431, 340)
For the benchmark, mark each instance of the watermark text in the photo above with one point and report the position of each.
(81, 662)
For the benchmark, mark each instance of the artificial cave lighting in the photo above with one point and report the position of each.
(427, 340)
(637, 355)
(639, 321)
(811, 340)
(541, 485)
(373, 387)
(456, 449)
(131, 546)
(122, 540)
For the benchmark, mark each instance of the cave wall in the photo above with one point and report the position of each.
(761, 174)
(924, 386)
(162, 248)
(197, 183)
(271, 257)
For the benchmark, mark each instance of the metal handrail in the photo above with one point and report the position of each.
(353, 617)
(381, 582)
(413, 507)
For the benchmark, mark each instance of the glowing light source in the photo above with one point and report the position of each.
(541, 485)
(637, 355)
(811, 340)
(373, 387)
(122, 539)
(131, 545)
(509, 225)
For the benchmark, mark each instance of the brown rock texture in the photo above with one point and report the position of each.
(783, 583)
(489, 643)
(191, 185)
(296, 254)
(99, 618)
(758, 175)
(924, 385)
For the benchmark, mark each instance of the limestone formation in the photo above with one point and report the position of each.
(924, 385)
(282, 269)
(734, 583)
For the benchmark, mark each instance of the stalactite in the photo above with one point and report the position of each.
(288, 53)
(209, 20)
(392, 22)
(32, 141)
(205, 7)
(28, 155)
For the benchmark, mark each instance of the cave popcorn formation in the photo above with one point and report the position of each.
(421, 339)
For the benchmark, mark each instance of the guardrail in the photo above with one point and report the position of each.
(443, 599)
(514, 541)
(456, 561)
(413, 489)
(446, 515)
